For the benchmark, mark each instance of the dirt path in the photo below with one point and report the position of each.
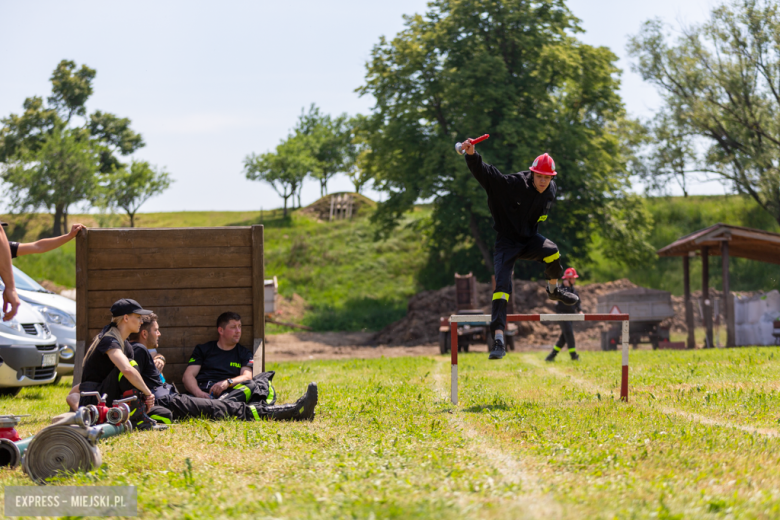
(690, 416)
(534, 502)
(335, 345)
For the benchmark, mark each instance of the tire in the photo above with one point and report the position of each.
(11, 391)
(465, 348)
(510, 342)
(444, 342)
(57, 380)
(490, 340)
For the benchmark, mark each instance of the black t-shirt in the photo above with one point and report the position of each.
(218, 365)
(146, 366)
(98, 364)
(14, 248)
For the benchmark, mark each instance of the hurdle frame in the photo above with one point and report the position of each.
(485, 319)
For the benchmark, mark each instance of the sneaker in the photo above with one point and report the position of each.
(551, 356)
(565, 298)
(498, 350)
(575, 356)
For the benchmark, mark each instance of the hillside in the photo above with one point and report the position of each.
(347, 281)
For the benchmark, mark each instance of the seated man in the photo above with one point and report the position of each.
(110, 359)
(184, 406)
(223, 368)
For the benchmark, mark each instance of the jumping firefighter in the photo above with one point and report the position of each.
(567, 330)
(518, 202)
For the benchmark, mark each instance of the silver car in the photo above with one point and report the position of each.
(28, 351)
(58, 312)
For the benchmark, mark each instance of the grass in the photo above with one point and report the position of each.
(528, 439)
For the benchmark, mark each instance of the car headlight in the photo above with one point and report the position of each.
(56, 316)
(13, 326)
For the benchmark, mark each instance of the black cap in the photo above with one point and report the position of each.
(127, 306)
(4, 224)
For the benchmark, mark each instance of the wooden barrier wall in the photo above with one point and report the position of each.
(187, 276)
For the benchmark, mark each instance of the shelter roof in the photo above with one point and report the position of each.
(754, 244)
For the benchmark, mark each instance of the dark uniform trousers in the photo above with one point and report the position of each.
(113, 386)
(566, 337)
(536, 248)
(258, 390)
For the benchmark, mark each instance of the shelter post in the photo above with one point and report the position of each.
(689, 323)
(728, 304)
(706, 304)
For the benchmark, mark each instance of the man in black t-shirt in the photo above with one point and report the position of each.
(216, 366)
(184, 406)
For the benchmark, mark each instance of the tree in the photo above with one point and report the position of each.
(61, 172)
(513, 69)
(327, 139)
(130, 187)
(285, 169)
(356, 163)
(720, 86)
(59, 126)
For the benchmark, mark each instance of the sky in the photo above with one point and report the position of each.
(207, 83)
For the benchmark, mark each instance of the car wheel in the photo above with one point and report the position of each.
(444, 342)
(10, 391)
(57, 379)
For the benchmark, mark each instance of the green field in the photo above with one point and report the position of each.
(698, 439)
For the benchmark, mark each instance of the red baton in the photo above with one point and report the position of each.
(459, 146)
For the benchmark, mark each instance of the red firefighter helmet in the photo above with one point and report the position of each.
(570, 273)
(544, 165)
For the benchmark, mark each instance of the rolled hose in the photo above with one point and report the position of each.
(60, 449)
(11, 452)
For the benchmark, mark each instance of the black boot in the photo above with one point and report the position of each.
(564, 297)
(498, 349)
(302, 409)
(551, 356)
(574, 356)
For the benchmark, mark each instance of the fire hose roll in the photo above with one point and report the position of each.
(59, 449)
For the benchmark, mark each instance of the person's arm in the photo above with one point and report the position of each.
(10, 298)
(123, 364)
(47, 244)
(481, 171)
(191, 384)
(245, 375)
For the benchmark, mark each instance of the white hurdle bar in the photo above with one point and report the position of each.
(484, 319)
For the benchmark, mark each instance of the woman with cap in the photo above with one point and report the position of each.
(110, 350)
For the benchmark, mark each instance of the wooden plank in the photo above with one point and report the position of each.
(189, 278)
(196, 316)
(232, 236)
(691, 342)
(727, 299)
(188, 337)
(170, 257)
(258, 295)
(171, 298)
(175, 355)
(82, 316)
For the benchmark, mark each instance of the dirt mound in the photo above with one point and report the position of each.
(320, 209)
(421, 324)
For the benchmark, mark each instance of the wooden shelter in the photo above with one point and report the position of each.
(726, 241)
(187, 276)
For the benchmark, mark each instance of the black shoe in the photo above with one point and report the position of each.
(301, 410)
(551, 356)
(498, 350)
(565, 298)
(575, 356)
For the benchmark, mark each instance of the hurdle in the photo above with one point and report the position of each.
(484, 319)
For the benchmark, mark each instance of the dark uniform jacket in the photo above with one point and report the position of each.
(560, 308)
(517, 207)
